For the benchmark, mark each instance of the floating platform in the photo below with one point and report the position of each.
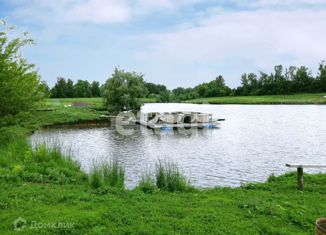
(175, 120)
(166, 126)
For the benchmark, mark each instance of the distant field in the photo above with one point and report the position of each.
(98, 101)
(148, 100)
(63, 101)
(317, 98)
(271, 99)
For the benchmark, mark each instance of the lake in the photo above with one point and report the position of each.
(254, 142)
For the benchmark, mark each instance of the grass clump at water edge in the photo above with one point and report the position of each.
(108, 174)
(169, 177)
(43, 163)
(147, 183)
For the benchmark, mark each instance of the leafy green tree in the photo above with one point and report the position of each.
(123, 90)
(165, 96)
(82, 89)
(320, 84)
(20, 85)
(201, 88)
(60, 88)
(45, 88)
(155, 89)
(95, 89)
(181, 93)
(69, 90)
(214, 88)
(302, 80)
(158, 91)
(250, 84)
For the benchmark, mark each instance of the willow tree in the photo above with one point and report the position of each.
(20, 85)
(122, 91)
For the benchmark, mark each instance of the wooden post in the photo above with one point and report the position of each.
(300, 178)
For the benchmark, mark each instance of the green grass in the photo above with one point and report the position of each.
(19, 162)
(147, 184)
(23, 124)
(107, 174)
(270, 99)
(149, 100)
(47, 188)
(169, 178)
(275, 207)
(98, 101)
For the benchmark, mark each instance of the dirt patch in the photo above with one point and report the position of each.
(80, 104)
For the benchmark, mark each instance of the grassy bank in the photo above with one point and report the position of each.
(267, 99)
(48, 191)
(60, 112)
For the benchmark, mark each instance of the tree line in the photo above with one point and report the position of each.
(67, 89)
(283, 81)
(22, 90)
(280, 82)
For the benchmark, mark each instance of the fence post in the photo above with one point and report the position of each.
(300, 178)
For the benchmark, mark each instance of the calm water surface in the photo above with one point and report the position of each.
(254, 142)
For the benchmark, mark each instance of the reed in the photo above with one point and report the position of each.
(107, 174)
(40, 163)
(147, 183)
(170, 178)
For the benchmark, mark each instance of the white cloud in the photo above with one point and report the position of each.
(223, 37)
(93, 11)
(117, 11)
(100, 11)
(262, 38)
(291, 3)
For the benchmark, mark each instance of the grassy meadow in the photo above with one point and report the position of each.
(317, 98)
(46, 187)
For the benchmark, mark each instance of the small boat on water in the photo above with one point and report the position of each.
(170, 120)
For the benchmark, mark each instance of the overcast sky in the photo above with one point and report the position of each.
(173, 42)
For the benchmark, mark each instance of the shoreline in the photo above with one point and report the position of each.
(54, 193)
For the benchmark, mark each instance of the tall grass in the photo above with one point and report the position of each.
(169, 177)
(42, 163)
(147, 183)
(107, 174)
